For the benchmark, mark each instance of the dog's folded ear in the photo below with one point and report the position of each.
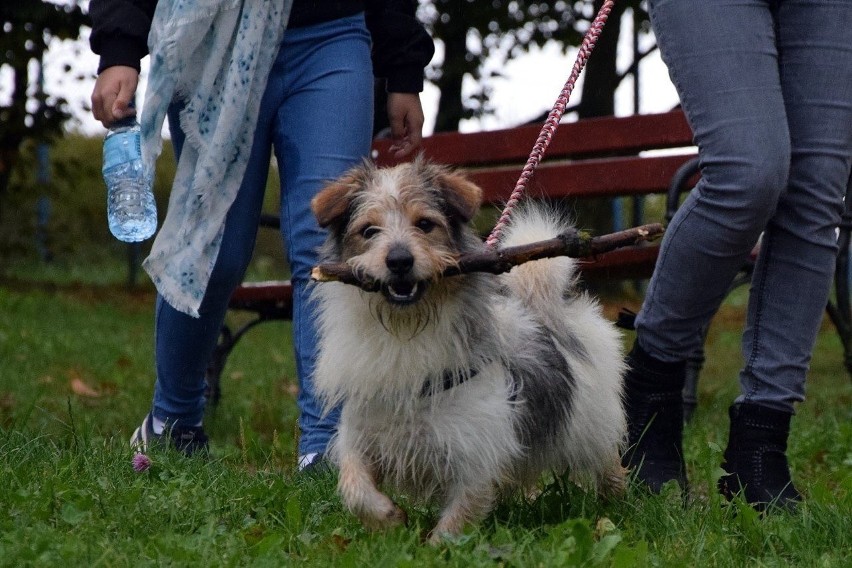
(332, 202)
(462, 196)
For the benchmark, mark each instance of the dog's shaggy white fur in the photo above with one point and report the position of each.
(455, 388)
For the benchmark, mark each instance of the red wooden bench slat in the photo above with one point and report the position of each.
(629, 262)
(591, 178)
(271, 293)
(594, 136)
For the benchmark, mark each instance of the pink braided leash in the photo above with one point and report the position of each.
(552, 122)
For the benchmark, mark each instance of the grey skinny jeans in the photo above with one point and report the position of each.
(767, 88)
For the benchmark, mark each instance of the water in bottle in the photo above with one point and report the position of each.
(131, 209)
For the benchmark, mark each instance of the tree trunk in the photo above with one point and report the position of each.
(12, 127)
(601, 77)
(598, 99)
(450, 105)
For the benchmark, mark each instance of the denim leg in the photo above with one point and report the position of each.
(722, 59)
(793, 275)
(184, 344)
(770, 108)
(323, 127)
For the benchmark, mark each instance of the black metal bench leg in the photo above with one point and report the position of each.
(227, 341)
(840, 311)
(213, 376)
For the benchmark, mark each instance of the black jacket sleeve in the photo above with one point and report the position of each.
(120, 31)
(402, 47)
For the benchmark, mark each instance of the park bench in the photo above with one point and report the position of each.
(615, 157)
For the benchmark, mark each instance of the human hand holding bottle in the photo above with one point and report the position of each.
(113, 94)
(131, 208)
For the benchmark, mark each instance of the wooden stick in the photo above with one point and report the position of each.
(574, 244)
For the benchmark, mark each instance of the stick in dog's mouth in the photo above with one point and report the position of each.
(575, 245)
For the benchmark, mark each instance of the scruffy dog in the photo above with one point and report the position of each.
(456, 388)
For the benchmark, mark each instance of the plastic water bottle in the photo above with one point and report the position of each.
(131, 209)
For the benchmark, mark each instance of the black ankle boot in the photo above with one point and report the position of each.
(654, 404)
(756, 459)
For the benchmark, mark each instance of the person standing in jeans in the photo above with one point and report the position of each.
(316, 113)
(766, 86)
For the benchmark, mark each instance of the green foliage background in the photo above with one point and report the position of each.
(76, 231)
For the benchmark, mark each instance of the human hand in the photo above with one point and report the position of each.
(405, 115)
(113, 93)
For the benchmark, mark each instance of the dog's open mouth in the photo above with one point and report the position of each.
(403, 292)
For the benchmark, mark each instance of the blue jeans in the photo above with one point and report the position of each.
(317, 113)
(767, 88)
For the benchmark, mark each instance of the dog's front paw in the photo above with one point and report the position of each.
(436, 538)
(386, 517)
(447, 529)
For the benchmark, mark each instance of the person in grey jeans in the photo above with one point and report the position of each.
(767, 88)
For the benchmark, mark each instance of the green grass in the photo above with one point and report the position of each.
(70, 496)
(76, 376)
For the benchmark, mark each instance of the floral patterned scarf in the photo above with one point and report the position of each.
(216, 55)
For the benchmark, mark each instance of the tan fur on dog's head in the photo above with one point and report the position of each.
(401, 226)
(462, 196)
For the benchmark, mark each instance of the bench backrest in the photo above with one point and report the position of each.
(597, 157)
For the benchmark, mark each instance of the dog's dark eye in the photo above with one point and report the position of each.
(425, 225)
(370, 231)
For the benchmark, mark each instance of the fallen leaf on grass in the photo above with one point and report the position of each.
(80, 388)
(7, 401)
(604, 526)
(340, 542)
(291, 389)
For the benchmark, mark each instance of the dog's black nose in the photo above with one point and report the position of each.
(399, 260)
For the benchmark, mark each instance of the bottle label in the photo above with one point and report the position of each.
(120, 148)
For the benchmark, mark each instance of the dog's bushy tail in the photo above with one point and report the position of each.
(546, 282)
